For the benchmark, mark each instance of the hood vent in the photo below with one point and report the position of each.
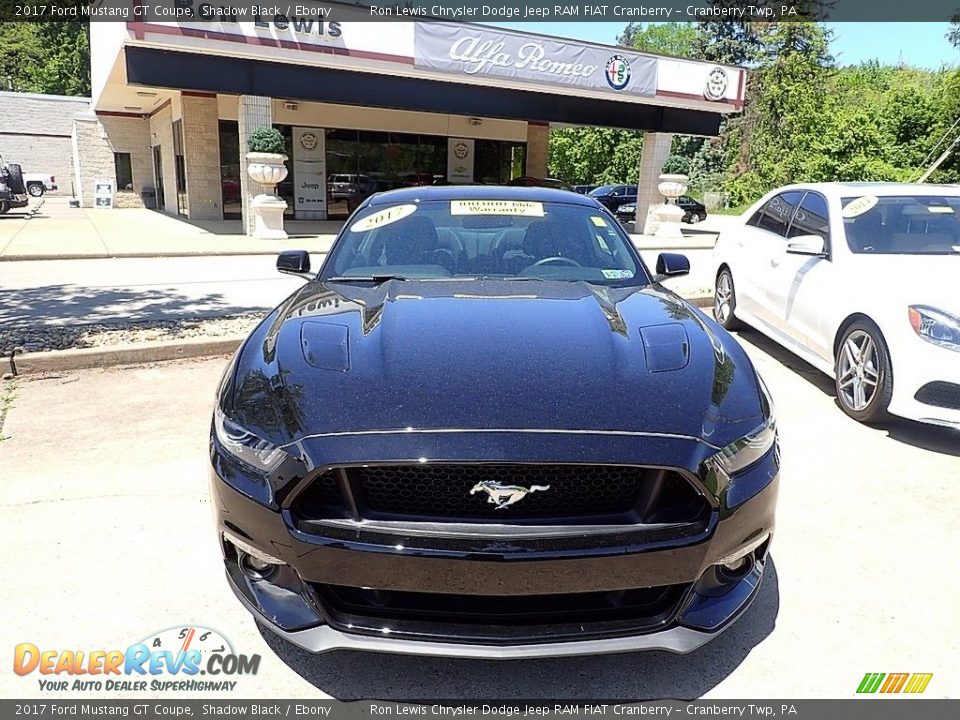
(325, 345)
(665, 347)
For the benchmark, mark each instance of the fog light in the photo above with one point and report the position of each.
(255, 568)
(735, 570)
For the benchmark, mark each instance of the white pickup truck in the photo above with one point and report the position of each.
(38, 184)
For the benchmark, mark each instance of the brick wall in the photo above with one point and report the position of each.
(538, 150)
(98, 138)
(35, 133)
(201, 156)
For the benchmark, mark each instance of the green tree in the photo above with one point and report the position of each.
(672, 38)
(51, 57)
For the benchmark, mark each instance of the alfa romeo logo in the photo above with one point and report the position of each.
(461, 150)
(618, 72)
(716, 86)
(309, 140)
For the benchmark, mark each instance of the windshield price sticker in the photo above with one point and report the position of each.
(940, 209)
(859, 206)
(383, 217)
(598, 221)
(496, 207)
(617, 274)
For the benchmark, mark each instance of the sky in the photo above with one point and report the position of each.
(921, 44)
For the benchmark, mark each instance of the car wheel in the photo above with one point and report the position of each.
(725, 301)
(4, 206)
(864, 377)
(35, 189)
(693, 218)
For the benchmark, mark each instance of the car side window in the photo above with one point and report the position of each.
(811, 218)
(776, 215)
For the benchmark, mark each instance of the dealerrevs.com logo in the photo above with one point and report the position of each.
(176, 659)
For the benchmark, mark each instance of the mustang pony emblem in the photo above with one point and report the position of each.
(503, 495)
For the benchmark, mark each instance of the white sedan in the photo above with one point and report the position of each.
(861, 280)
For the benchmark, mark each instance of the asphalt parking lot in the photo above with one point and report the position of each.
(109, 536)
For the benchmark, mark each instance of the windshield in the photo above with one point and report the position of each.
(602, 190)
(509, 239)
(902, 224)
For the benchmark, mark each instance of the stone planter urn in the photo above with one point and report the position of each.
(668, 215)
(268, 169)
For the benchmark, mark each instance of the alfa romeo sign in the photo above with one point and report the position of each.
(472, 51)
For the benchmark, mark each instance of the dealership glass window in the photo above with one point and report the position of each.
(180, 169)
(121, 164)
(230, 169)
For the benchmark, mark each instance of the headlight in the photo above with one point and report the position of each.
(251, 450)
(747, 450)
(935, 326)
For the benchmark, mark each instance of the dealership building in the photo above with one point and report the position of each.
(363, 105)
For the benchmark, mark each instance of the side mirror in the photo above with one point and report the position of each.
(295, 262)
(672, 265)
(806, 245)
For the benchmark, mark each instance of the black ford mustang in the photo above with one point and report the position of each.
(484, 429)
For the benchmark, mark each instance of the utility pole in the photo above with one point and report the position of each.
(940, 160)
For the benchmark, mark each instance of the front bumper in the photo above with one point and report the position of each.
(293, 605)
(916, 364)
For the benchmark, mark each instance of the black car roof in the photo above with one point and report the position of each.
(480, 192)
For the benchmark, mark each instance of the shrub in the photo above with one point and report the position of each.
(267, 140)
(676, 165)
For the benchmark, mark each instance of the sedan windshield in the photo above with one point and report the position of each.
(481, 238)
(902, 224)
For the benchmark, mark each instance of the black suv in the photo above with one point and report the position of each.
(13, 193)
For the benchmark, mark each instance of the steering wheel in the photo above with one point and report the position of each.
(445, 257)
(557, 260)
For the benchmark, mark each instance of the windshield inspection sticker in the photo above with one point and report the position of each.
(598, 221)
(383, 217)
(859, 206)
(940, 209)
(496, 207)
(617, 274)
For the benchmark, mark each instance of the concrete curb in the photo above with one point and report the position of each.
(138, 354)
(85, 358)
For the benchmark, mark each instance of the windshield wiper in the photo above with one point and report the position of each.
(375, 279)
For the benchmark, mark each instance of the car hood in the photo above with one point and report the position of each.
(341, 358)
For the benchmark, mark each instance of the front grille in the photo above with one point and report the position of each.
(558, 494)
(499, 618)
(940, 394)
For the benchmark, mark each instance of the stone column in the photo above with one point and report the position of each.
(538, 149)
(656, 150)
(94, 156)
(201, 156)
(254, 111)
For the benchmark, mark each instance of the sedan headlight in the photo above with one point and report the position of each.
(935, 326)
(251, 450)
(747, 450)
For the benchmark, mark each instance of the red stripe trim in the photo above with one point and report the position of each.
(158, 109)
(194, 93)
(113, 113)
(140, 28)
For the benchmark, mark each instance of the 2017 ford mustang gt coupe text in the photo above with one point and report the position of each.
(484, 429)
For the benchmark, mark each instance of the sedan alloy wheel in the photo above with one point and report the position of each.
(864, 380)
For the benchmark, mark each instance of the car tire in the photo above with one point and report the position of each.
(693, 218)
(35, 189)
(4, 206)
(725, 301)
(15, 179)
(863, 375)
